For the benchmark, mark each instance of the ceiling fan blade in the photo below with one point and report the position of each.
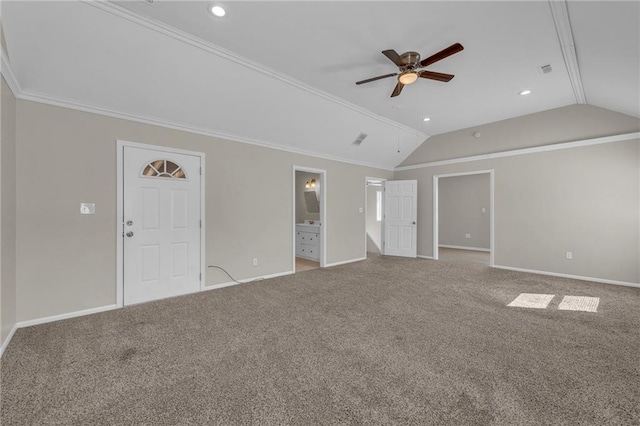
(436, 76)
(454, 48)
(376, 78)
(393, 55)
(397, 90)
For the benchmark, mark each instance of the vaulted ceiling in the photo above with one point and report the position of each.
(282, 74)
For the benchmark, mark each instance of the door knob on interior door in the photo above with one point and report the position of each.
(413, 223)
(129, 234)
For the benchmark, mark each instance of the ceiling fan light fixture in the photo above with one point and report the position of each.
(408, 77)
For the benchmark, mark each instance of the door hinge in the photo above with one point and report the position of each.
(200, 223)
(200, 276)
(200, 170)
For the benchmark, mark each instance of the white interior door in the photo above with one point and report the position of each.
(400, 217)
(161, 214)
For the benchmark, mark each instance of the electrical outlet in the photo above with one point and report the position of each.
(569, 255)
(467, 235)
(255, 261)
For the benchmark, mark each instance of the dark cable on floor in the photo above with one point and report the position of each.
(233, 279)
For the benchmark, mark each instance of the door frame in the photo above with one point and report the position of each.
(366, 207)
(436, 179)
(323, 214)
(120, 145)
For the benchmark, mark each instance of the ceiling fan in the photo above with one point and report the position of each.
(408, 67)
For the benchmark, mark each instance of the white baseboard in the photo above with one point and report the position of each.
(8, 339)
(59, 317)
(465, 248)
(425, 257)
(574, 277)
(344, 262)
(246, 280)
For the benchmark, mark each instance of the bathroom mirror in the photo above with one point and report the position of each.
(311, 201)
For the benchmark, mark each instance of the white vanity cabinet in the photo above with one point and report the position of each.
(308, 242)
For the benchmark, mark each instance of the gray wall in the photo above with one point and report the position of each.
(66, 262)
(584, 200)
(7, 213)
(460, 204)
(301, 208)
(374, 228)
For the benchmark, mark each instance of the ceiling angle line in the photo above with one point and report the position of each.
(170, 31)
(9, 76)
(560, 14)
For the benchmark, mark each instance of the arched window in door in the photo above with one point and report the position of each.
(164, 169)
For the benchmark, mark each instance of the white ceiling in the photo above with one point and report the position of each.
(283, 73)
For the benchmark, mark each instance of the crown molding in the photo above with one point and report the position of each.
(152, 24)
(562, 23)
(9, 76)
(12, 82)
(65, 103)
(524, 151)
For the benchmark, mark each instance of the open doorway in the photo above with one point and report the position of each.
(309, 212)
(373, 216)
(463, 217)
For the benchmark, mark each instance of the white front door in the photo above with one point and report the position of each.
(400, 217)
(161, 215)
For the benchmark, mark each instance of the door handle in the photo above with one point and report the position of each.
(129, 234)
(413, 223)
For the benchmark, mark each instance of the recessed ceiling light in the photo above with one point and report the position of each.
(426, 119)
(217, 11)
(524, 92)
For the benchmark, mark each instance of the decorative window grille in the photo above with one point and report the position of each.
(164, 169)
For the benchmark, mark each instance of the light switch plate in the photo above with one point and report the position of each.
(87, 208)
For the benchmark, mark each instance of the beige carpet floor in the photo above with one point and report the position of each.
(383, 341)
(449, 254)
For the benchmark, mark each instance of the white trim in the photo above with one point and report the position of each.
(120, 145)
(246, 281)
(323, 213)
(9, 76)
(436, 236)
(119, 224)
(465, 248)
(425, 257)
(435, 228)
(206, 46)
(562, 23)
(203, 221)
(573, 277)
(523, 151)
(8, 339)
(65, 103)
(68, 315)
(344, 262)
